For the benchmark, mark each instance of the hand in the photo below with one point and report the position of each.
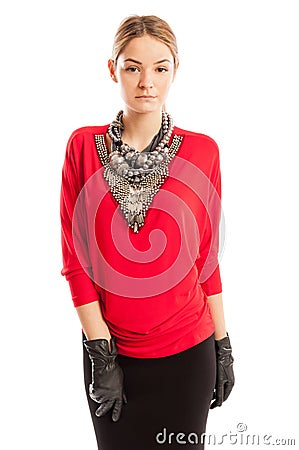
(225, 379)
(107, 377)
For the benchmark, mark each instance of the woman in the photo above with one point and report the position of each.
(140, 215)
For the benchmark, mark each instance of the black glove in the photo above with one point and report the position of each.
(107, 377)
(225, 379)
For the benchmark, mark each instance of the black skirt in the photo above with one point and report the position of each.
(168, 401)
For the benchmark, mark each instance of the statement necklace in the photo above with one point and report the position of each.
(135, 177)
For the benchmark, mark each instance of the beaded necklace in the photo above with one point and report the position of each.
(135, 177)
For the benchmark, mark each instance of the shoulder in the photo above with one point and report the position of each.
(199, 142)
(202, 151)
(82, 139)
(87, 132)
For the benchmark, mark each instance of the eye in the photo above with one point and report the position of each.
(162, 69)
(132, 69)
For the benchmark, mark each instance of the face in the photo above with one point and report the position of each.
(145, 70)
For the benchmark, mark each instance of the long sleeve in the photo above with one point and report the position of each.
(207, 263)
(81, 285)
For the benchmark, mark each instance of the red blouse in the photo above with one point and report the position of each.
(152, 285)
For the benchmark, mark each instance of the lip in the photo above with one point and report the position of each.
(146, 96)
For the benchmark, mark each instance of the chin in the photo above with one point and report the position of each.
(145, 108)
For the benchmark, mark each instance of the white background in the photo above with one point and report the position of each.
(237, 82)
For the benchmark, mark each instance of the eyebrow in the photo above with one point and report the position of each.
(138, 62)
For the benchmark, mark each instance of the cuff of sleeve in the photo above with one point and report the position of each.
(83, 290)
(213, 284)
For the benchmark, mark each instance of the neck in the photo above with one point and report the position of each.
(139, 129)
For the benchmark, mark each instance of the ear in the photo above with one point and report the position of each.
(111, 67)
(175, 71)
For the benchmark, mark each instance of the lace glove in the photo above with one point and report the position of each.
(225, 379)
(107, 377)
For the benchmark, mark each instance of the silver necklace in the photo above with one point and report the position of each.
(135, 177)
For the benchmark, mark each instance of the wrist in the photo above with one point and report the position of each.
(223, 346)
(220, 335)
(94, 334)
(101, 345)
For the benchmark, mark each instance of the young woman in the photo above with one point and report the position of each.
(140, 211)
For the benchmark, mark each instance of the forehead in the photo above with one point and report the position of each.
(146, 49)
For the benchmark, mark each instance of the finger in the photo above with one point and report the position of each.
(95, 397)
(116, 410)
(213, 405)
(98, 399)
(227, 391)
(104, 408)
(219, 394)
(213, 398)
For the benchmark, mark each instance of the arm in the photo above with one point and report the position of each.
(92, 321)
(84, 294)
(210, 280)
(106, 387)
(82, 287)
(225, 378)
(209, 221)
(216, 307)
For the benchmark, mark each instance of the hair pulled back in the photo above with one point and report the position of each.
(137, 26)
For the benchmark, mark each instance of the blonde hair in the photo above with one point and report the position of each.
(138, 26)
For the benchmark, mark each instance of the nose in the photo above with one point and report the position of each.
(145, 81)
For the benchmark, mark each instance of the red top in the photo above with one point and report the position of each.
(152, 285)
